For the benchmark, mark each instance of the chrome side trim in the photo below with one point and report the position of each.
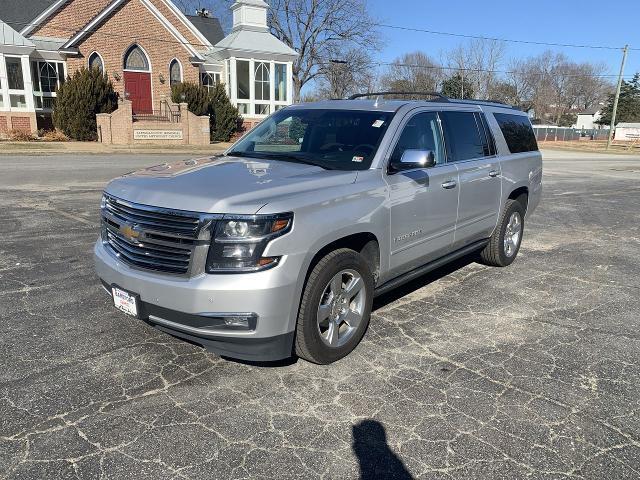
(205, 332)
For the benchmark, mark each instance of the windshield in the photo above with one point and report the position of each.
(331, 139)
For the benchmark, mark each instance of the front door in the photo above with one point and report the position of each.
(137, 86)
(424, 201)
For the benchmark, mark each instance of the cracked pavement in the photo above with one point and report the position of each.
(529, 371)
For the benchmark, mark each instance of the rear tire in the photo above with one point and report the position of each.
(506, 239)
(335, 308)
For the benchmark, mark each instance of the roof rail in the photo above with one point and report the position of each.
(474, 101)
(439, 96)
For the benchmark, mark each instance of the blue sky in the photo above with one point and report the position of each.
(559, 21)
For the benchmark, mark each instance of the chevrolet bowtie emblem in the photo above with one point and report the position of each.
(129, 231)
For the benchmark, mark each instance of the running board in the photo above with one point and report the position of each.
(418, 272)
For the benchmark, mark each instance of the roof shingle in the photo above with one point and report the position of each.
(18, 15)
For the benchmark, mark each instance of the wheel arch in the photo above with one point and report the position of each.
(365, 243)
(521, 195)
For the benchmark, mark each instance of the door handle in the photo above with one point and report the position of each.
(449, 184)
(494, 173)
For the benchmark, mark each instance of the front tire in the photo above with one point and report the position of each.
(506, 239)
(336, 307)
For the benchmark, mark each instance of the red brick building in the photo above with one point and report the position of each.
(144, 46)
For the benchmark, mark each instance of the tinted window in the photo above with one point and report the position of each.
(489, 142)
(517, 132)
(420, 133)
(462, 134)
(334, 139)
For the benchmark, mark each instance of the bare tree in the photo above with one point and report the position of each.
(413, 72)
(320, 31)
(341, 78)
(477, 61)
(554, 86)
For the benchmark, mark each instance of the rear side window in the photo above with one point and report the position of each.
(490, 144)
(465, 139)
(517, 132)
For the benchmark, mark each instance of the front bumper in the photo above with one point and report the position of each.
(184, 306)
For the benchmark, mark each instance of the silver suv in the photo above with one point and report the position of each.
(278, 247)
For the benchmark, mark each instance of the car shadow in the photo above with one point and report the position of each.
(423, 281)
(375, 458)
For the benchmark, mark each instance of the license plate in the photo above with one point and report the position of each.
(125, 301)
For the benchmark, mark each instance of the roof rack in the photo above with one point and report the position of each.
(474, 101)
(439, 96)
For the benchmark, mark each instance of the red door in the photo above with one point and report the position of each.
(138, 87)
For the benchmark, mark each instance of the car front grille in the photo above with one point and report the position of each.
(155, 238)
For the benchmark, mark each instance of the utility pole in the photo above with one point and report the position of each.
(617, 97)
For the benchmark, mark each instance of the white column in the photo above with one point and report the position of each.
(28, 84)
(233, 81)
(272, 86)
(252, 86)
(289, 83)
(4, 84)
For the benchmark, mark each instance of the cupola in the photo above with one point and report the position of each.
(249, 15)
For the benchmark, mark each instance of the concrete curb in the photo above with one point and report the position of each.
(73, 148)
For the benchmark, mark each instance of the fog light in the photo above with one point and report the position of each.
(237, 322)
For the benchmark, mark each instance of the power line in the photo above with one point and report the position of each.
(390, 26)
(497, 39)
(327, 61)
(473, 70)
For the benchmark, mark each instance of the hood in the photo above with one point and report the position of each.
(223, 184)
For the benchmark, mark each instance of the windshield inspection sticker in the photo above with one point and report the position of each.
(357, 159)
(378, 123)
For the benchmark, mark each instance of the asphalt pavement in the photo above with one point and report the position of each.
(530, 371)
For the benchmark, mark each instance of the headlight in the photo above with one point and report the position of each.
(240, 240)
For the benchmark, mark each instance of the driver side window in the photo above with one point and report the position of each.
(421, 132)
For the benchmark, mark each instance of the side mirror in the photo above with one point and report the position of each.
(412, 159)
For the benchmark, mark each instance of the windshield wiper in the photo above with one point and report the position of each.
(295, 158)
(238, 153)
(277, 156)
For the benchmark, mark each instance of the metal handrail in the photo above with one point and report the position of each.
(173, 115)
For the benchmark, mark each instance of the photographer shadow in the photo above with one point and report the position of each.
(374, 455)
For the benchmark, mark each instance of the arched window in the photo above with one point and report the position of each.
(135, 59)
(175, 72)
(95, 61)
(48, 77)
(262, 81)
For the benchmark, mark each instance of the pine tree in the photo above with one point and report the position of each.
(225, 119)
(196, 96)
(456, 86)
(628, 104)
(79, 99)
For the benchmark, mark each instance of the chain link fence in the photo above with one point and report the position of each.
(564, 134)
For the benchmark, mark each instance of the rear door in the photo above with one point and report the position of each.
(471, 147)
(423, 201)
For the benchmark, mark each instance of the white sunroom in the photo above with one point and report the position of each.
(255, 66)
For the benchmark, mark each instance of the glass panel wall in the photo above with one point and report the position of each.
(209, 80)
(262, 81)
(242, 77)
(46, 77)
(280, 82)
(14, 73)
